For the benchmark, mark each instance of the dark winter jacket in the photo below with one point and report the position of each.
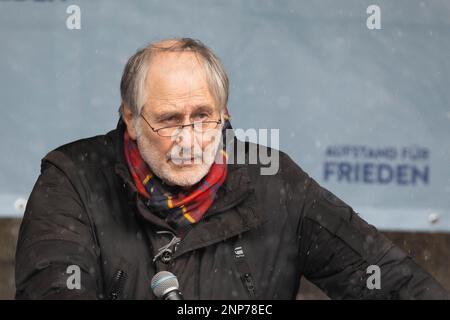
(261, 235)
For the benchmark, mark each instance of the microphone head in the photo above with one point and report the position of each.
(164, 282)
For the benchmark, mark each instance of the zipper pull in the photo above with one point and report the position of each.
(117, 284)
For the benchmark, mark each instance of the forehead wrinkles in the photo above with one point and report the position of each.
(177, 79)
(178, 103)
(189, 96)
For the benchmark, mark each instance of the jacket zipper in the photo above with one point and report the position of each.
(247, 279)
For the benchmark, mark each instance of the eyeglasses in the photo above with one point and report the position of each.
(198, 126)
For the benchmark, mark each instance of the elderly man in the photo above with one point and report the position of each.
(158, 193)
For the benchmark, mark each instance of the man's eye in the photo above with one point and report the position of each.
(171, 119)
(202, 116)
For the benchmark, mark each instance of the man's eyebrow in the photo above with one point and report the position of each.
(164, 115)
(161, 114)
(203, 107)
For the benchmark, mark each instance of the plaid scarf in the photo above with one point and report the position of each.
(180, 208)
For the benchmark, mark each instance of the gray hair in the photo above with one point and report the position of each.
(132, 86)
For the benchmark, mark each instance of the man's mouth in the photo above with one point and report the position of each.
(186, 161)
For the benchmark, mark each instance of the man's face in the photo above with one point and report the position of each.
(178, 94)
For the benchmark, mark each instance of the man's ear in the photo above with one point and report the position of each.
(127, 116)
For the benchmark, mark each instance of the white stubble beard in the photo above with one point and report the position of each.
(184, 177)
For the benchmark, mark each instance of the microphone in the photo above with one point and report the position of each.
(165, 286)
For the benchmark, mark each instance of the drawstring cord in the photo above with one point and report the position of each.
(174, 242)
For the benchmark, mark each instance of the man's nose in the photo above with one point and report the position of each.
(186, 137)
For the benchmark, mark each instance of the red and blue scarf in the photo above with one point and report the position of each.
(179, 208)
